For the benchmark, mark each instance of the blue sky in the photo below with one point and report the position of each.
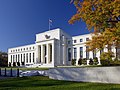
(20, 20)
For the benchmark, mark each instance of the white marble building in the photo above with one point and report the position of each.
(52, 48)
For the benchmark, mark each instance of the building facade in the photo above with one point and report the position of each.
(52, 48)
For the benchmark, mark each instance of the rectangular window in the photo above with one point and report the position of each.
(101, 51)
(81, 40)
(50, 53)
(81, 52)
(21, 57)
(94, 53)
(27, 57)
(33, 57)
(69, 54)
(24, 58)
(45, 53)
(18, 57)
(68, 42)
(75, 53)
(87, 39)
(75, 41)
(30, 57)
(11, 58)
(87, 53)
(40, 54)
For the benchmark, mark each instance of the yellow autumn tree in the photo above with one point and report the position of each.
(103, 17)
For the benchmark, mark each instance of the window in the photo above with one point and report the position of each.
(18, 57)
(21, 49)
(30, 48)
(11, 58)
(33, 57)
(81, 52)
(75, 41)
(68, 42)
(50, 53)
(18, 49)
(63, 38)
(27, 57)
(75, 53)
(45, 53)
(26, 48)
(40, 53)
(33, 48)
(101, 51)
(21, 57)
(94, 53)
(81, 40)
(69, 54)
(87, 39)
(11, 50)
(30, 57)
(87, 53)
(24, 58)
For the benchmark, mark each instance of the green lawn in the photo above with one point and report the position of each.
(44, 83)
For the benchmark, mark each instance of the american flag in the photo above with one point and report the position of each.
(50, 23)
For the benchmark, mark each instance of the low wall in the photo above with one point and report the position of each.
(89, 74)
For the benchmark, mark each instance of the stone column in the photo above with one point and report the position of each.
(78, 55)
(84, 52)
(47, 53)
(53, 47)
(90, 54)
(25, 58)
(36, 54)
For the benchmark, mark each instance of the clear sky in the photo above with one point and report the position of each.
(20, 20)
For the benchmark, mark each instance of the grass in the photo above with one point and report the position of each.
(44, 83)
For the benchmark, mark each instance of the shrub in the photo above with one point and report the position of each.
(95, 61)
(106, 58)
(23, 63)
(9, 64)
(18, 63)
(73, 61)
(14, 64)
(107, 55)
(115, 62)
(80, 61)
(90, 61)
(105, 62)
(84, 61)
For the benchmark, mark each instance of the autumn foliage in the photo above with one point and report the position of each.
(102, 16)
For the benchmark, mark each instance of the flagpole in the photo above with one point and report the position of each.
(49, 24)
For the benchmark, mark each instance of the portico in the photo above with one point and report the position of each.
(45, 52)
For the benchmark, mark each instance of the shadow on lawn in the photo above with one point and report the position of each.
(44, 83)
(31, 82)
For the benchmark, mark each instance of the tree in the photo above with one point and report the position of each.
(3, 59)
(103, 17)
